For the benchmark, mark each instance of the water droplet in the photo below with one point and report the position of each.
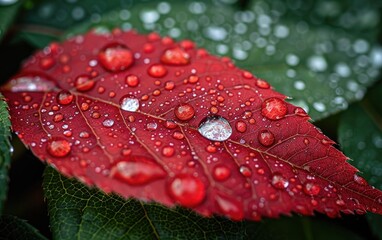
(311, 189)
(292, 59)
(187, 190)
(170, 124)
(47, 62)
(178, 135)
(184, 112)
(340, 202)
(7, 2)
(58, 147)
(262, 84)
(116, 57)
(266, 138)
(84, 135)
(360, 180)
(132, 80)
(245, 170)
(221, 172)
(157, 71)
(230, 207)
(137, 170)
(169, 85)
(300, 112)
(108, 123)
(168, 151)
(129, 103)
(175, 56)
(151, 126)
(64, 97)
(274, 108)
(84, 83)
(30, 83)
(279, 182)
(319, 106)
(58, 117)
(215, 128)
(241, 126)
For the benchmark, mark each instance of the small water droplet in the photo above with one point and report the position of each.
(170, 124)
(279, 182)
(168, 151)
(64, 97)
(317, 63)
(230, 207)
(169, 85)
(137, 170)
(262, 84)
(132, 80)
(58, 117)
(84, 83)
(116, 57)
(245, 170)
(175, 56)
(300, 112)
(187, 190)
(47, 63)
(84, 135)
(151, 126)
(215, 128)
(129, 103)
(311, 189)
(241, 126)
(340, 202)
(221, 172)
(274, 108)
(178, 135)
(184, 112)
(266, 138)
(157, 71)
(108, 123)
(58, 147)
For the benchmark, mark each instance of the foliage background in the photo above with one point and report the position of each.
(326, 55)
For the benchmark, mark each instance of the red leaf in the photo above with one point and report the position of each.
(146, 117)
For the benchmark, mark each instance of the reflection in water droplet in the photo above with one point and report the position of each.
(137, 170)
(58, 147)
(108, 123)
(129, 103)
(279, 182)
(311, 189)
(84, 83)
(215, 128)
(116, 57)
(245, 170)
(187, 190)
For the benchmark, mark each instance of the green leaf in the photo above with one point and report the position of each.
(13, 228)
(8, 11)
(5, 150)
(323, 54)
(77, 212)
(360, 136)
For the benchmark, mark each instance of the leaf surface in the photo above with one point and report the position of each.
(144, 116)
(360, 136)
(14, 228)
(321, 54)
(5, 150)
(8, 11)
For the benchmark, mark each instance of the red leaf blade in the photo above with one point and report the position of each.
(146, 117)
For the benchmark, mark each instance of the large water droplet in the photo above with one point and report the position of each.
(230, 207)
(187, 190)
(116, 57)
(84, 83)
(129, 103)
(175, 56)
(274, 108)
(215, 128)
(221, 172)
(311, 189)
(184, 112)
(266, 138)
(30, 83)
(64, 97)
(137, 170)
(279, 182)
(58, 147)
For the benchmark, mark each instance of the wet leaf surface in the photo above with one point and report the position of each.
(218, 140)
(360, 135)
(322, 54)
